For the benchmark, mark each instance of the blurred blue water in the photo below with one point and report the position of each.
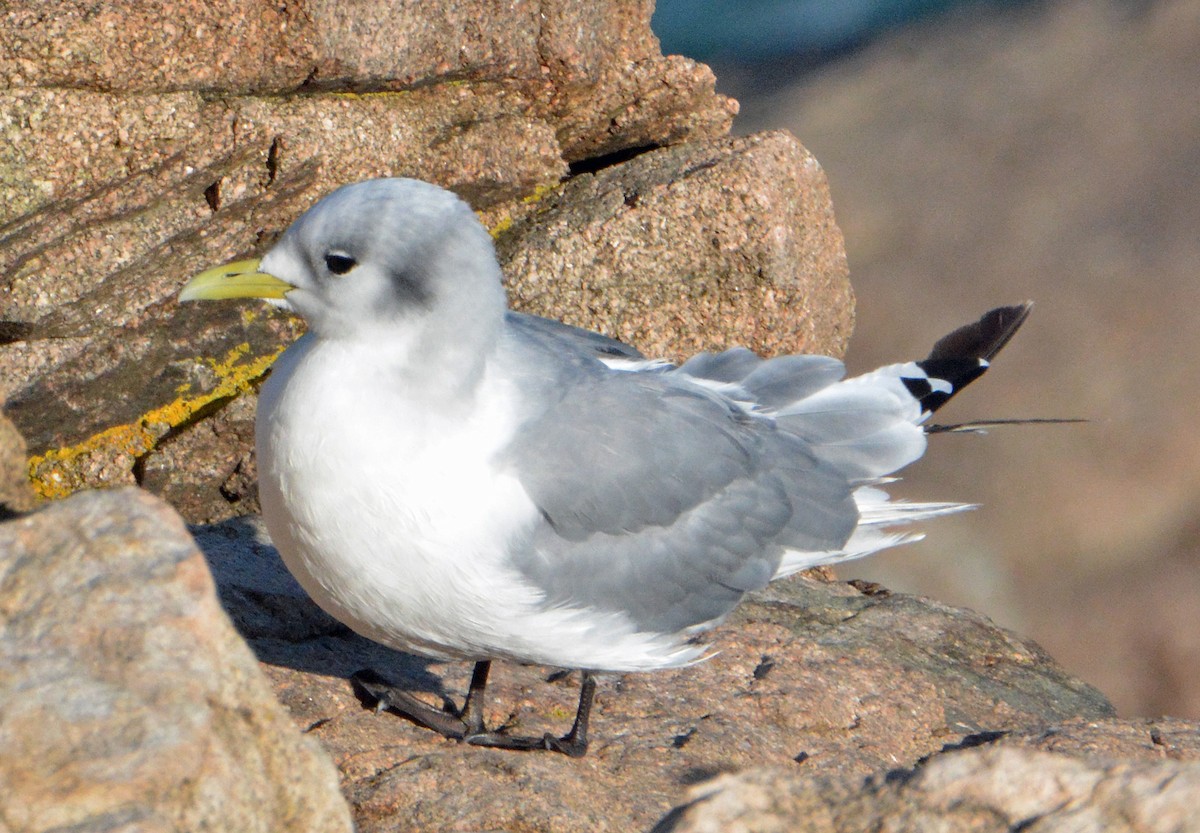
(803, 31)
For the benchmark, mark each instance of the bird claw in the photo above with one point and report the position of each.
(466, 724)
(567, 745)
(571, 747)
(389, 698)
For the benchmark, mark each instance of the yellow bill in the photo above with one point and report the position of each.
(240, 279)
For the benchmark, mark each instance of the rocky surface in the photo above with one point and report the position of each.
(818, 677)
(592, 72)
(1142, 739)
(1047, 152)
(991, 789)
(124, 181)
(15, 492)
(618, 202)
(691, 248)
(127, 700)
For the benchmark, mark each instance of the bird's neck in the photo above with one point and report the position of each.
(427, 363)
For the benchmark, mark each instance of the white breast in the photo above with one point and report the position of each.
(390, 513)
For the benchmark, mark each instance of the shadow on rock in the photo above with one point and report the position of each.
(282, 624)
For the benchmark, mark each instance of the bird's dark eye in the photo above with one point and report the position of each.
(339, 263)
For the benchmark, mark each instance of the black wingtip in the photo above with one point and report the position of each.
(962, 356)
(984, 338)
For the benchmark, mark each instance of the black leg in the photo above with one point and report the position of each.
(386, 696)
(467, 724)
(573, 744)
(472, 710)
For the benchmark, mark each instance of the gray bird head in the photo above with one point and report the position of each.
(386, 258)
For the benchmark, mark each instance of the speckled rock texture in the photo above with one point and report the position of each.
(822, 679)
(15, 492)
(602, 167)
(989, 790)
(592, 70)
(127, 700)
(666, 245)
(144, 142)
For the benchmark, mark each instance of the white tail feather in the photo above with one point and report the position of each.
(877, 514)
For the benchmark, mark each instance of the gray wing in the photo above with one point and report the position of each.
(665, 501)
(768, 383)
(536, 327)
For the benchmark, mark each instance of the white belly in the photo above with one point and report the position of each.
(392, 517)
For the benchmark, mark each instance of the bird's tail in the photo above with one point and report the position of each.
(961, 357)
(866, 427)
(872, 425)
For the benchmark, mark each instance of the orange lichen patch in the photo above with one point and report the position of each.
(107, 457)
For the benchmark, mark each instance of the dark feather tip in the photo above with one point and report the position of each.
(984, 338)
(980, 426)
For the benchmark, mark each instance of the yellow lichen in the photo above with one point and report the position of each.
(540, 192)
(501, 227)
(506, 222)
(58, 472)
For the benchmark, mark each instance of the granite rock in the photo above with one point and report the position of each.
(127, 701)
(15, 493)
(128, 170)
(820, 678)
(980, 789)
(700, 246)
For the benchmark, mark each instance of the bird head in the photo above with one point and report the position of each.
(377, 259)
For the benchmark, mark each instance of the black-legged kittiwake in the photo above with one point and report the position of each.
(458, 480)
